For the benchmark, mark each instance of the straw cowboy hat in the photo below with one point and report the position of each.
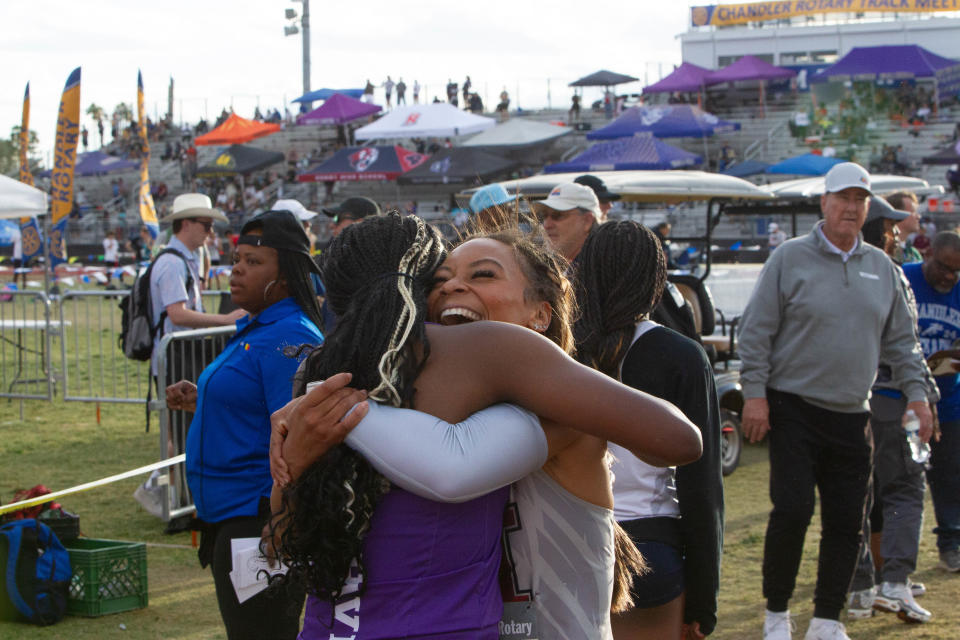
(193, 205)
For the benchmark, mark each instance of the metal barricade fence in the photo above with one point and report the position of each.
(94, 367)
(183, 356)
(26, 335)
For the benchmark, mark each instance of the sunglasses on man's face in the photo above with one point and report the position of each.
(337, 219)
(206, 222)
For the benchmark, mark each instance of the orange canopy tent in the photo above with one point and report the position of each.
(237, 130)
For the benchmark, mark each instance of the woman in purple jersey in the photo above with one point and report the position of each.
(421, 568)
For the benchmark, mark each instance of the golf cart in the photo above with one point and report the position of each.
(688, 304)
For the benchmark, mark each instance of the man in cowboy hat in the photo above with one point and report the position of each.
(175, 279)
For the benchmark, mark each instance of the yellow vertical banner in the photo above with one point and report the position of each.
(30, 243)
(64, 160)
(148, 211)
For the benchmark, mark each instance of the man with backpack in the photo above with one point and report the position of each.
(175, 277)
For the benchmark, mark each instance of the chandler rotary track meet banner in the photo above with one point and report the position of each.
(30, 242)
(64, 161)
(729, 14)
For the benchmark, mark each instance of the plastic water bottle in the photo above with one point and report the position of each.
(919, 450)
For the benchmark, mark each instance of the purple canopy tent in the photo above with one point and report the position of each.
(642, 151)
(686, 77)
(749, 68)
(664, 121)
(893, 62)
(98, 163)
(338, 109)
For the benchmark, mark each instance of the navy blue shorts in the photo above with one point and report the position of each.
(664, 580)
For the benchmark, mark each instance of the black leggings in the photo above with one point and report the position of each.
(273, 613)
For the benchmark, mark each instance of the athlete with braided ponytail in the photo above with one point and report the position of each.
(385, 563)
(675, 516)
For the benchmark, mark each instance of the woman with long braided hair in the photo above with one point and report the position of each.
(423, 568)
(675, 516)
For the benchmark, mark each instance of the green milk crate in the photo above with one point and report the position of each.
(109, 576)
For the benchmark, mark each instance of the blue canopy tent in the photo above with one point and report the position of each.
(641, 151)
(808, 164)
(668, 121)
(326, 94)
(746, 168)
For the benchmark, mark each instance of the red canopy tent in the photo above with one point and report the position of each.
(237, 130)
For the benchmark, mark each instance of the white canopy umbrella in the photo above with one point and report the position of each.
(517, 133)
(879, 183)
(436, 120)
(18, 200)
(646, 186)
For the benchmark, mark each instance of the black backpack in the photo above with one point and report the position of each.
(36, 575)
(137, 331)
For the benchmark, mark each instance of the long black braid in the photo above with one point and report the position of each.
(295, 269)
(377, 275)
(621, 275)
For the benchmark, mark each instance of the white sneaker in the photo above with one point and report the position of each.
(860, 603)
(917, 588)
(824, 629)
(778, 626)
(896, 597)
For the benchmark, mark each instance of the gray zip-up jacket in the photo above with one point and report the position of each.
(818, 327)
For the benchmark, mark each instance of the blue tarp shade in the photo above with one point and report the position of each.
(686, 77)
(326, 94)
(669, 121)
(808, 164)
(745, 168)
(98, 163)
(643, 152)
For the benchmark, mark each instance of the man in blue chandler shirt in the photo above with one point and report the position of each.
(934, 283)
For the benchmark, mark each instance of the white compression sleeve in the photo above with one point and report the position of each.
(451, 462)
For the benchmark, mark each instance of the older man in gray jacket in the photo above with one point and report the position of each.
(826, 310)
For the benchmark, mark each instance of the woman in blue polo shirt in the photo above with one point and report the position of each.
(228, 468)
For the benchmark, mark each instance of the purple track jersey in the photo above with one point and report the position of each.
(431, 574)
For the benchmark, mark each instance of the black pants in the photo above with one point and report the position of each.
(273, 613)
(810, 448)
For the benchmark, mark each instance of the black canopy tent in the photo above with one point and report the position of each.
(239, 159)
(461, 165)
(603, 78)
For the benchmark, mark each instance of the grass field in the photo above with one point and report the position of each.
(60, 445)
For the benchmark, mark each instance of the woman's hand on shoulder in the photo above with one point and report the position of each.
(308, 426)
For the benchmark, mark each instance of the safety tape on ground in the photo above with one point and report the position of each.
(23, 504)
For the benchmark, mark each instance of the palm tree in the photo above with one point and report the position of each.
(98, 113)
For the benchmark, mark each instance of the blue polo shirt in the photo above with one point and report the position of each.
(228, 466)
(939, 323)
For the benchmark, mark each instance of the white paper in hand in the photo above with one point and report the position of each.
(250, 569)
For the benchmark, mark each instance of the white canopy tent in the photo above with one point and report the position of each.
(518, 133)
(18, 200)
(880, 184)
(436, 120)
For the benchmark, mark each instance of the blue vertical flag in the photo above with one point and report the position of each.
(148, 212)
(30, 242)
(64, 160)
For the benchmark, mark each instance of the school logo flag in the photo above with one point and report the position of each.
(64, 160)
(148, 212)
(29, 229)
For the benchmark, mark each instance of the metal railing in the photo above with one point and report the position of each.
(183, 355)
(26, 334)
(94, 367)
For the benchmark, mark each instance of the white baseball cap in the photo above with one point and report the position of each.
(296, 208)
(845, 175)
(571, 195)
